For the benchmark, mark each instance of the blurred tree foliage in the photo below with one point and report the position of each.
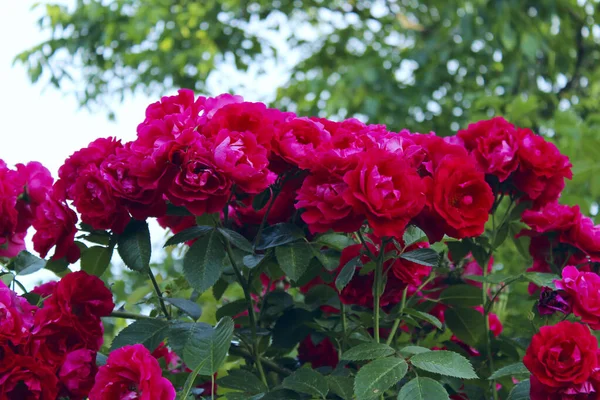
(425, 65)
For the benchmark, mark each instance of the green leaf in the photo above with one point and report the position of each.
(26, 263)
(520, 391)
(252, 260)
(462, 295)
(367, 351)
(101, 359)
(278, 235)
(236, 240)
(424, 316)
(423, 388)
(510, 370)
(180, 335)
(342, 386)
(207, 347)
(493, 278)
(294, 259)
(187, 306)
(427, 257)
(57, 266)
(412, 350)
(458, 250)
(96, 259)
(307, 380)
(373, 379)
(7, 278)
(466, 323)
(335, 241)
(346, 274)
(188, 234)
(149, 332)
(134, 245)
(219, 289)
(243, 380)
(413, 235)
(329, 258)
(232, 309)
(203, 262)
(542, 279)
(177, 211)
(445, 363)
(261, 200)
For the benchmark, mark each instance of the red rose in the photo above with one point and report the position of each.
(459, 200)
(322, 198)
(583, 288)
(131, 372)
(16, 316)
(9, 190)
(583, 391)
(35, 182)
(552, 217)
(385, 189)
(322, 354)
(77, 373)
(436, 149)
(542, 172)
(12, 244)
(297, 141)
(172, 360)
(169, 105)
(55, 225)
(25, 378)
(586, 237)
(494, 145)
(341, 154)
(45, 289)
(81, 295)
(244, 160)
(562, 355)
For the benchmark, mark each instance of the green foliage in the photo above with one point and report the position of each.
(242, 380)
(423, 388)
(309, 381)
(134, 245)
(446, 363)
(26, 263)
(368, 351)
(203, 262)
(520, 391)
(96, 259)
(294, 259)
(376, 377)
(149, 332)
(427, 257)
(517, 369)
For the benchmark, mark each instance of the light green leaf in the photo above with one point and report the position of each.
(26, 263)
(510, 370)
(542, 279)
(134, 245)
(335, 241)
(413, 235)
(412, 350)
(373, 379)
(424, 316)
(422, 388)
(149, 332)
(294, 259)
(203, 262)
(367, 351)
(445, 363)
(520, 391)
(307, 380)
(346, 274)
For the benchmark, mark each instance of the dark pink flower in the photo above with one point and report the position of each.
(299, 140)
(321, 354)
(25, 378)
(583, 288)
(16, 316)
(77, 373)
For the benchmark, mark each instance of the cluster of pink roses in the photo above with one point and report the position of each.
(50, 352)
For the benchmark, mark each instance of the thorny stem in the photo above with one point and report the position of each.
(159, 294)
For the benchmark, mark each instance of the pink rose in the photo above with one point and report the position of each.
(82, 295)
(16, 316)
(494, 145)
(586, 237)
(299, 140)
(385, 189)
(584, 290)
(322, 198)
(131, 372)
(12, 245)
(77, 373)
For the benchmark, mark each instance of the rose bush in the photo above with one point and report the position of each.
(308, 259)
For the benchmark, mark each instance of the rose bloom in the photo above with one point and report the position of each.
(25, 378)
(12, 245)
(322, 198)
(385, 189)
(583, 391)
(586, 237)
(131, 372)
(435, 149)
(459, 200)
(583, 288)
(322, 354)
(56, 226)
(543, 169)
(77, 373)
(297, 141)
(35, 182)
(494, 145)
(16, 316)
(562, 355)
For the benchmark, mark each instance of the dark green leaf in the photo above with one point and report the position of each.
(462, 295)
(294, 259)
(100, 359)
(517, 369)
(149, 332)
(232, 309)
(187, 306)
(413, 235)
(466, 323)
(424, 316)
(236, 240)
(291, 328)
(203, 262)
(347, 272)
(520, 391)
(57, 266)
(134, 245)
(426, 256)
(243, 380)
(309, 381)
(261, 200)
(542, 279)
(335, 241)
(445, 363)
(96, 259)
(458, 250)
(278, 235)
(252, 260)
(342, 386)
(177, 211)
(501, 235)
(188, 234)
(367, 351)
(329, 258)
(219, 288)
(26, 263)
(412, 350)
(423, 388)
(373, 379)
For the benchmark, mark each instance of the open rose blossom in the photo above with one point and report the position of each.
(131, 373)
(25, 378)
(563, 355)
(321, 354)
(583, 288)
